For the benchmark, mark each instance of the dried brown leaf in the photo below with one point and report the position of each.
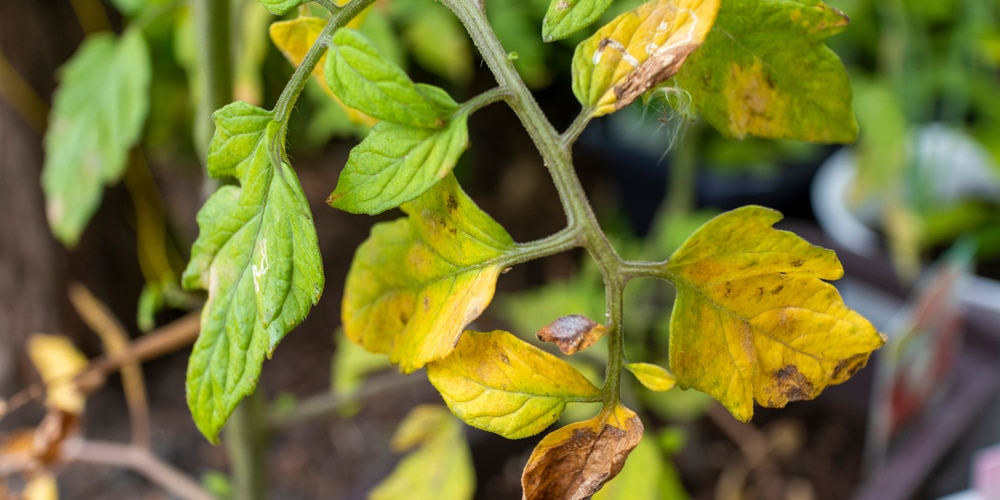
(572, 333)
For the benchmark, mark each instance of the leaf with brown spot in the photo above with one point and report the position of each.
(637, 51)
(753, 318)
(418, 281)
(575, 461)
(765, 71)
(497, 382)
(572, 333)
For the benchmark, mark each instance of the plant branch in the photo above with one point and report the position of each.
(215, 67)
(137, 459)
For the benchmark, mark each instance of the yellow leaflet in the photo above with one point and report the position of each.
(653, 377)
(497, 382)
(753, 318)
(576, 460)
(294, 38)
(638, 50)
(58, 361)
(418, 281)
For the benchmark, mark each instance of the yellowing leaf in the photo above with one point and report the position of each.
(294, 38)
(653, 377)
(753, 318)
(58, 361)
(638, 50)
(418, 281)
(576, 460)
(497, 382)
(440, 468)
(41, 487)
(572, 333)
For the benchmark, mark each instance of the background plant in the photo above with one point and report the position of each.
(420, 280)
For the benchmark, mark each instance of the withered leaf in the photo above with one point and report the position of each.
(572, 333)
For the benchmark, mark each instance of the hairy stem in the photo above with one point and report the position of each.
(557, 154)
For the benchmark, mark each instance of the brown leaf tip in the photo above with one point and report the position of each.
(572, 333)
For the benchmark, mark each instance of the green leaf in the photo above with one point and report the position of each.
(653, 377)
(753, 319)
(763, 70)
(418, 281)
(397, 163)
(281, 7)
(566, 17)
(258, 257)
(97, 115)
(441, 467)
(499, 383)
(358, 74)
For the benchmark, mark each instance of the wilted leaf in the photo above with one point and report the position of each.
(639, 478)
(397, 163)
(440, 468)
(572, 333)
(418, 281)
(97, 115)
(257, 255)
(294, 38)
(638, 50)
(363, 79)
(565, 17)
(653, 377)
(497, 382)
(58, 361)
(753, 318)
(764, 70)
(575, 461)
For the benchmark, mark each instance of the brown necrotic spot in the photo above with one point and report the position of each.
(792, 384)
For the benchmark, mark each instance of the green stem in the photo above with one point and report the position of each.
(341, 16)
(557, 154)
(212, 20)
(246, 438)
(480, 101)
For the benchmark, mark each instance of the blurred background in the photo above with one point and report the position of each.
(913, 209)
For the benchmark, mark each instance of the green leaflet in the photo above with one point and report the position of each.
(396, 163)
(257, 256)
(566, 17)
(763, 70)
(97, 115)
(358, 74)
(281, 7)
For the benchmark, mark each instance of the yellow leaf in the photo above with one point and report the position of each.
(497, 382)
(41, 487)
(653, 377)
(441, 467)
(753, 318)
(418, 281)
(294, 38)
(638, 50)
(572, 333)
(576, 460)
(58, 361)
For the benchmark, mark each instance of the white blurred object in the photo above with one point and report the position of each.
(951, 166)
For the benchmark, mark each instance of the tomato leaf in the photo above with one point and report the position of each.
(640, 477)
(572, 333)
(764, 70)
(653, 377)
(416, 282)
(97, 115)
(58, 361)
(397, 163)
(753, 318)
(441, 467)
(499, 383)
(363, 79)
(566, 17)
(637, 51)
(576, 460)
(258, 257)
(294, 38)
(281, 7)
